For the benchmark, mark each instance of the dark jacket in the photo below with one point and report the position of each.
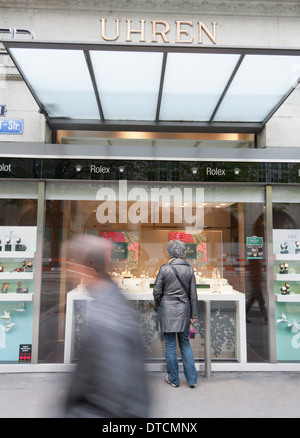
(175, 308)
(109, 380)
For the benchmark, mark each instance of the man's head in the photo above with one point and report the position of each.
(91, 253)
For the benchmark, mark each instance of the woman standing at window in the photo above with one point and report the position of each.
(175, 297)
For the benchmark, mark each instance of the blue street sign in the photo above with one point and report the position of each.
(11, 126)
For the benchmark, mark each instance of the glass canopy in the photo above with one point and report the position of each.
(160, 88)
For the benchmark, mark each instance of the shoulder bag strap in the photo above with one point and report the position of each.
(182, 284)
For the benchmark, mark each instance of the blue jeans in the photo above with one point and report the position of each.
(187, 355)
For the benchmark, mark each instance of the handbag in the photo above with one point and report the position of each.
(192, 333)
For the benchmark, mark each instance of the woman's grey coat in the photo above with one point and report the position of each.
(175, 308)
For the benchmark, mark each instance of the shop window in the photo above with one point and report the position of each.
(286, 248)
(222, 227)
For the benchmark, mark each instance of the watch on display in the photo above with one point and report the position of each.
(285, 290)
(4, 288)
(284, 248)
(20, 289)
(19, 246)
(29, 267)
(21, 268)
(283, 268)
(297, 249)
(8, 244)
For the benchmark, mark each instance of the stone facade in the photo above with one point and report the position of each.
(238, 23)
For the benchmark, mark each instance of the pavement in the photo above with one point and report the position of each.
(224, 395)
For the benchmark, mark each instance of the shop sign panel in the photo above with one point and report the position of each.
(144, 170)
(11, 126)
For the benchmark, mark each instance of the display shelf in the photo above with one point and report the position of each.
(290, 257)
(12, 296)
(292, 298)
(17, 254)
(287, 277)
(16, 276)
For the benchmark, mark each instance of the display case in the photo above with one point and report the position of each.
(287, 292)
(17, 256)
(131, 265)
(76, 310)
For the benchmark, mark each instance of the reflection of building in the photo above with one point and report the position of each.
(119, 149)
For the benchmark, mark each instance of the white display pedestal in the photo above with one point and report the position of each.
(134, 293)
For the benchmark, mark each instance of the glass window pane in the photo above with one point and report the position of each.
(214, 222)
(128, 83)
(60, 80)
(259, 85)
(193, 85)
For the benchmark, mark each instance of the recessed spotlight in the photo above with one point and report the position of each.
(194, 170)
(237, 171)
(121, 169)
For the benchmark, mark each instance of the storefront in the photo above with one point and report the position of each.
(134, 158)
(240, 233)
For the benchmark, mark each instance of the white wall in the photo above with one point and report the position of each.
(239, 23)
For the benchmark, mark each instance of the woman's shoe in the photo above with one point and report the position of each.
(170, 383)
